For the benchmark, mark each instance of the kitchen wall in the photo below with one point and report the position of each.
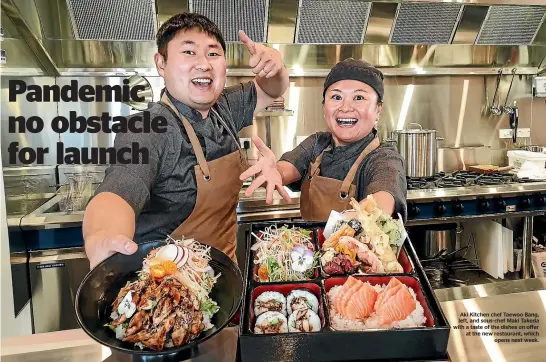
(11, 326)
(453, 105)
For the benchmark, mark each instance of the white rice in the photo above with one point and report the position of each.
(338, 322)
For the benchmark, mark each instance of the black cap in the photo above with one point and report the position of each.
(356, 70)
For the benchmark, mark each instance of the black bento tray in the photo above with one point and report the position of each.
(330, 345)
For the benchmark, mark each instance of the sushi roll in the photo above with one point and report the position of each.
(301, 299)
(271, 322)
(304, 320)
(270, 302)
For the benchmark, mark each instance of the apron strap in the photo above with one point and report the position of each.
(315, 166)
(193, 138)
(231, 134)
(344, 191)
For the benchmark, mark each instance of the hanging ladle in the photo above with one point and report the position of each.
(494, 109)
(507, 109)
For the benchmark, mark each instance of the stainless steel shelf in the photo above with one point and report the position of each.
(276, 113)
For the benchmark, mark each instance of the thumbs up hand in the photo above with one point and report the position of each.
(265, 62)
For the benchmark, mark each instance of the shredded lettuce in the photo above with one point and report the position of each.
(209, 306)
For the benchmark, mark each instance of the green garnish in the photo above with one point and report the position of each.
(209, 306)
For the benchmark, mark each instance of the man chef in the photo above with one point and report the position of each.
(191, 185)
(329, 168)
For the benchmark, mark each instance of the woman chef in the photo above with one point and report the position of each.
(191, 185)
(329, 168)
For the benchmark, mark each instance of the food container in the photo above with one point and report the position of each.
(409, 281)
(534, 148)
(285, 290)
(255, 267)
(403, 259)
(517, 158)
(419, 149)
(429, 342)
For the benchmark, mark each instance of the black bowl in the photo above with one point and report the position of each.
(102, 284)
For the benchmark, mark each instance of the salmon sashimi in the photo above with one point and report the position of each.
(361, 303)
(346, 286)
(391, 288)
(396, 308)
(347, 297)
(344, 296)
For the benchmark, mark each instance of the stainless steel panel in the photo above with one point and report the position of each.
(464, 347)
(490, 289)
(113, 19)
(112, 58)
(19, 280)
(32, 36)
(452, 159)
(470, 24)
(232, 16)
(87, 109)
(380, 23)
(325, 21)
(10, 30)
(432, 23)
(29, 180)
(55, 19)
(282, 21)
(511, 25)
(28, 13)
(168, 8)
(45, 110)
(55, 276)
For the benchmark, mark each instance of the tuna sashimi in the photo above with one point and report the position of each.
(360, 304)
(397, 307)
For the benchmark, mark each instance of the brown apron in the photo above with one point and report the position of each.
(320, 195)
(213, 220)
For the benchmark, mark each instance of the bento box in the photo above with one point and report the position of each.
(403, 259)
(297, 320)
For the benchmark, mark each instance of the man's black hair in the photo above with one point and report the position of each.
(186, 21)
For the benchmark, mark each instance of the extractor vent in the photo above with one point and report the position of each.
(113, 19)
(511, 25)
(427, 23)
(232, 16)
(332, 21)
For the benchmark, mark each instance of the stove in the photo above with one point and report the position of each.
(462, 179)
(467, 194)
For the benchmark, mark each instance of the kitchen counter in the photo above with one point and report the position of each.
(253, 208)
(517, 296)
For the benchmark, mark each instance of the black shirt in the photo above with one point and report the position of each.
(382, 170)
(163, 192)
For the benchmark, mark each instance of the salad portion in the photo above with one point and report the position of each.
(284, 254)
(367, 243)
(169, 305)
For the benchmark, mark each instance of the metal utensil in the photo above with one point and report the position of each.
(495, 109)
(514, 119)
(507, 109)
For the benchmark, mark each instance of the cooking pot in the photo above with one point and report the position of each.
(418, 148)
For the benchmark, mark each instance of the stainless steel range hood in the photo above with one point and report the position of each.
(404, 37)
